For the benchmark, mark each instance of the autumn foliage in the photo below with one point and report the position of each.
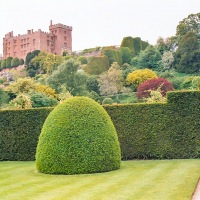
(145, 88)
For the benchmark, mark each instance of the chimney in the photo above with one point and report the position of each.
(51, 22)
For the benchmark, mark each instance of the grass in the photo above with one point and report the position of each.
(136, 180)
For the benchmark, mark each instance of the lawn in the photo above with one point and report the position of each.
(136, 180)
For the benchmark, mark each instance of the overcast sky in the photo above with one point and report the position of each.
(97, 22)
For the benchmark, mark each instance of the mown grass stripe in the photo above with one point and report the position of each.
(135, 180)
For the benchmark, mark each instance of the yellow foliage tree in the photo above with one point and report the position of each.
(27, 85)
(139, 76)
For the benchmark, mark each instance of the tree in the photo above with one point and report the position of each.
(97, 65)
(92, 84)
(126, 55)
(111, 82)
(8, 62)
(3, 64)
(189, 24)
(167, 60)
(113, 56)
(67, 75)
(30, 56)
(28, 85)
(137, 77)
(161, 84)
(15, 62)
(187, 56)
(149, 58)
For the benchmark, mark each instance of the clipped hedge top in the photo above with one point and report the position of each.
(77, 137)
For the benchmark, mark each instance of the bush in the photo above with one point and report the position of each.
(22, 101)
(140, 76)
(41, 100)
(78, 137)
(144, 89)
(191, 83)
(107, 101)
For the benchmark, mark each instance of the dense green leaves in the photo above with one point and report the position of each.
(78, 137)
(187, 56)
(147, 131)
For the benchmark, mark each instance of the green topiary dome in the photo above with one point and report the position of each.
(78, 137)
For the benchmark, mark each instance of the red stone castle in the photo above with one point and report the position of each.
(58, 39)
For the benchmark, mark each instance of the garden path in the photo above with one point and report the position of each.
(196, 195)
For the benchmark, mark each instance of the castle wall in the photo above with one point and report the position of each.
(58, 39)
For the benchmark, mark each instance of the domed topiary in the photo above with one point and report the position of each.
(78, 137)
(107, 101)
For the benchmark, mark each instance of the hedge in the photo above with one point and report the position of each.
(19, 132)
(145, 131)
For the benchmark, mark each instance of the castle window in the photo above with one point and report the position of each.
(15, 41)
(55, 31)
(47, 42)
(33, 41)
(65, 38)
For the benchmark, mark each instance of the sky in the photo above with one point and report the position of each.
(97, 22)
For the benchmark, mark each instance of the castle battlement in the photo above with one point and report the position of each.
(60, 26)
(52, 41)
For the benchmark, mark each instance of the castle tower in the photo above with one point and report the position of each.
(62, 37)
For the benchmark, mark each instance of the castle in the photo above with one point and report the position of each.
(58, 39)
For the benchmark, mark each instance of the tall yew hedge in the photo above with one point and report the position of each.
(145, 131)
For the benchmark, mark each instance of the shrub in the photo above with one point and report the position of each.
(78, 137)
(107, 101)
(139, 76)
(191, 83)
(21, 101)
(41, 100)
(144, 89)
